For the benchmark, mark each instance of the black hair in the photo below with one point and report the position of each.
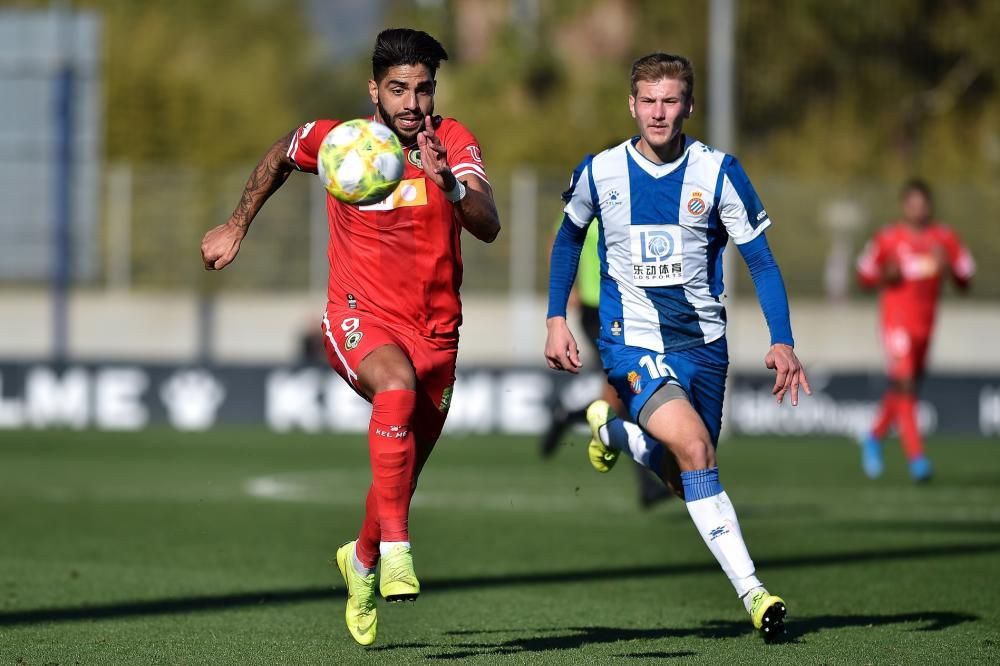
(917, 185)
(402, 46)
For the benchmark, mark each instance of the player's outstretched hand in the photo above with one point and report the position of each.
(434, 156)
(789, 373)
(220, 245)
(561, 351)
(892, 273)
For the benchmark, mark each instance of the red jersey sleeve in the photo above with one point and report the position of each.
(464, 154)
(959, 258)
(306, 142)
(872, 260)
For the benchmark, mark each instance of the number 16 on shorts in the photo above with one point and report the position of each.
(658, 368)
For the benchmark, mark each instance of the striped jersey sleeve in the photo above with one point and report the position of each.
(579, 197)
(740, 209)
(464, 154)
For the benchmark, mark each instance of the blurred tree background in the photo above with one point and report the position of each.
(836, 99)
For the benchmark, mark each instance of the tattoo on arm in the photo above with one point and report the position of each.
(270, 173)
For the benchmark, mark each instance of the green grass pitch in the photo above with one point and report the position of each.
(167, 548)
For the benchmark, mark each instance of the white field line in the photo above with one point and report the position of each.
(348, 487)
(307, 487)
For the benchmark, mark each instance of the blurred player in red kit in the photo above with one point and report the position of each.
(393, 307)
(907, 261)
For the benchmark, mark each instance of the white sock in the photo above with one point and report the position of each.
(630, 438)
(716, 521)
(358, 566)
(385, 546)
(748, 597)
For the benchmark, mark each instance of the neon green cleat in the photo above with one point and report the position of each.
(768, 615)
(362, 619)
(398, 581)
(601, 457)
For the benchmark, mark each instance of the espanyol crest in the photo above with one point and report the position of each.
(696, 205)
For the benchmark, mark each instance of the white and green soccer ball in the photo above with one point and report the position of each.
(360, 161)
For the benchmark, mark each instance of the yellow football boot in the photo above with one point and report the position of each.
(601, 457)
(361, 616)
(397, 580)
(768, 615)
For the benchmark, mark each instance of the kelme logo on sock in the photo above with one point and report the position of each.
(394, 432)
(718, 531)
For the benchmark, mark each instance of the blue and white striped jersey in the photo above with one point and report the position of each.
(663, 228)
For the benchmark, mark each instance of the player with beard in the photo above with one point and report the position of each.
(393, 307)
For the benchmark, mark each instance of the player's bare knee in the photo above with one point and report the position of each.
(395, 382)
(695, 453)
(902, 385)
(393, 377)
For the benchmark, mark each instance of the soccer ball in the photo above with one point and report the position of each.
(360, 161)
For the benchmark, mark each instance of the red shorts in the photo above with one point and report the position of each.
(349, 337)
(905, 352)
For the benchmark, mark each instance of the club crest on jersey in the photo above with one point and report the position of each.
(696, 205)
(413, 157)
(353, 340)
(634, 382)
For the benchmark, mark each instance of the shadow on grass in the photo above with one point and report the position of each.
(986, 527)
(572, 638)
(221, 602)
(656, 655)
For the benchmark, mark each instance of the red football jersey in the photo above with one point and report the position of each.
(400, 258)
(925, 256)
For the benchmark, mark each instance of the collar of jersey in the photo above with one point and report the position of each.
(652, 168)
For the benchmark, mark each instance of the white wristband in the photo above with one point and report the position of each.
(456, 193)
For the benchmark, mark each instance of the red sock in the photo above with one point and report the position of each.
(392, 448)
(909, 433)
(886, 415)
(367, 545)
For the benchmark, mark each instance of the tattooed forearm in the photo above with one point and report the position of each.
(270, 173)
